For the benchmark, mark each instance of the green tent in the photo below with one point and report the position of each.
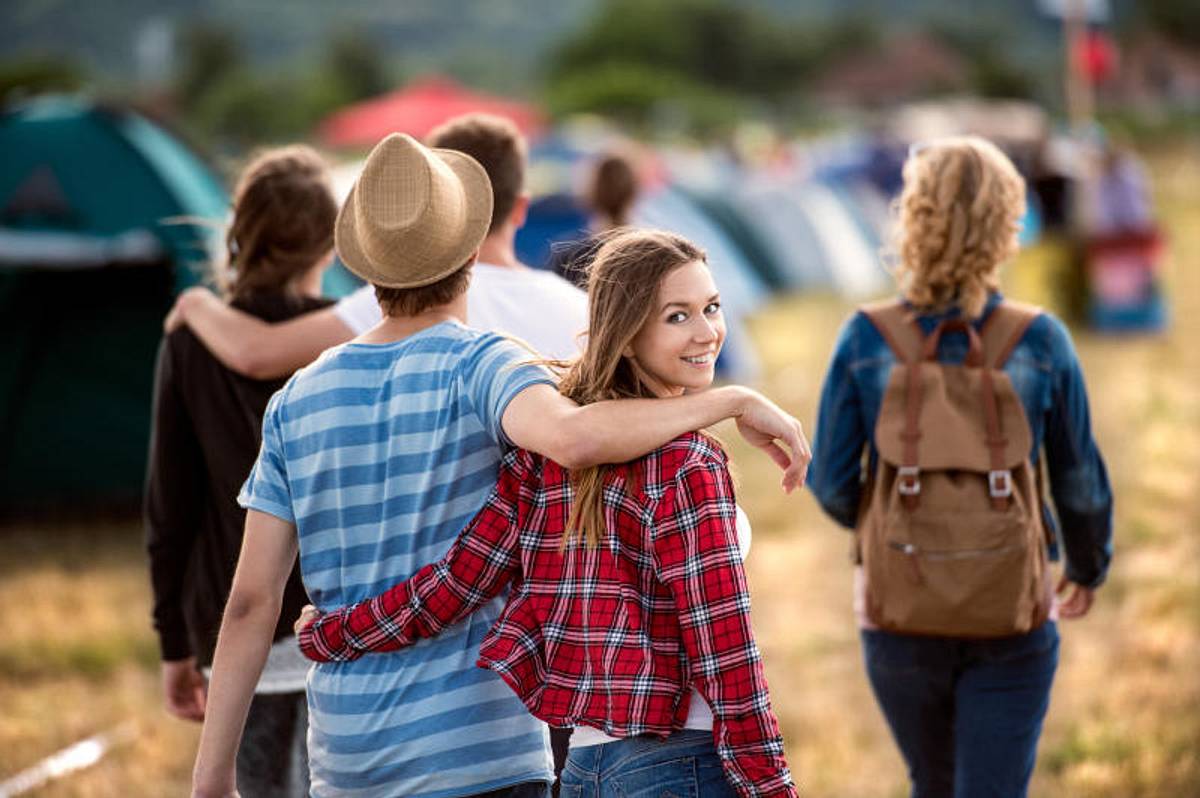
(92, 250)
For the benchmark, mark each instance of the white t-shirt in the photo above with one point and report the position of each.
(540, 308)
(699, 712)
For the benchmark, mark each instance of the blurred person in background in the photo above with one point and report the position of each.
(207, 427)
(611, 191)
(637, 566)
(501, 291)
(965, 712)
(1120, 200)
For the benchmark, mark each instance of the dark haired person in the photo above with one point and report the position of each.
(499, 298)
(206, 432)
(373, 458)
(611, 191)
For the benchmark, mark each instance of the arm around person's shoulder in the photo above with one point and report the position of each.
(252, 347)
(485, 557)
(541, 419)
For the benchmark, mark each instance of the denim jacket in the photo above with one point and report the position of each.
(1045, 373)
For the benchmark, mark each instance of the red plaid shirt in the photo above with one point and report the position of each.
(612, 637)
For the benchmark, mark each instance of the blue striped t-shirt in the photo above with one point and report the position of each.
(380, 454)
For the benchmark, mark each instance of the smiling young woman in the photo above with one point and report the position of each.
(628, 617)
(676, 349)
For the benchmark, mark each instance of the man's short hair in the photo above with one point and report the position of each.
(500, 149)
(411, 301)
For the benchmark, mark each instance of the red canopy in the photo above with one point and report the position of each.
(417, 109)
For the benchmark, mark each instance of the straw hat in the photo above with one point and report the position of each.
(414, 215)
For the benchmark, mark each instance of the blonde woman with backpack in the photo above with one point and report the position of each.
(962, 400)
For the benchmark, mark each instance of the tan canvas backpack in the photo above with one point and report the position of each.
(951, 535)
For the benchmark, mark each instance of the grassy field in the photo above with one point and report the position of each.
(1125, 717)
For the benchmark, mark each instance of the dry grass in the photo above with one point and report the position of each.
(1125, 718)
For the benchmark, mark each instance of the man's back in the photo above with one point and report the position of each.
(538, 307)
(381, 454)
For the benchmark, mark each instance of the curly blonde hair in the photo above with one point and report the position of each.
(958, 215)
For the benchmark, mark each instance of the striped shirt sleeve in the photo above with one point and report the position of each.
(494, 374)
(267, 489)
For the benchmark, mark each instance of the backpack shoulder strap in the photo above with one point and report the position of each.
(898, 326)
(1005, 326)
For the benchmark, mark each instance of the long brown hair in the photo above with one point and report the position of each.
(283, 218)
(623, 283)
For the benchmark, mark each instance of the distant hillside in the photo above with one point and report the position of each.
(497, 41)
(494, 43)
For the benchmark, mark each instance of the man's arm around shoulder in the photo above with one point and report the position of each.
(542, 420)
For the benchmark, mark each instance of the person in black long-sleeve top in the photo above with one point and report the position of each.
(207, 427)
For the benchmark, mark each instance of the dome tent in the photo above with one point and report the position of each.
(89, 264)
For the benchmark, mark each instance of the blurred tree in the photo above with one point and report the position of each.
(987, 41)
(209, 53)
(27, 77)
(356, 62)
(244, 109)
(997, 77)
(1177, 19)
(633, 56)
(639, 95)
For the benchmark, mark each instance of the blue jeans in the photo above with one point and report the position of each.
(966, 714)
(685, 765)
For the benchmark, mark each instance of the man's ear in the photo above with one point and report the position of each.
(519, 212)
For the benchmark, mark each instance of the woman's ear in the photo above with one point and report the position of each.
(627, 353)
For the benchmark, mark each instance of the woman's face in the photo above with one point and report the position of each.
(677, 347)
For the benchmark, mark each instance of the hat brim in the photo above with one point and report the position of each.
(477, 218)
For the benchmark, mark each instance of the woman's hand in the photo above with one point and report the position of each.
(184, 689)
(1078, 599)
(308, 616)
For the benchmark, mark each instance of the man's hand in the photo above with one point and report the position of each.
(177, 317)
(184, 689)
(762, 423)
(1078, 599)
(308, 616)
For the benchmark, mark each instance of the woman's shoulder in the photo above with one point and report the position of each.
(1046, 340)
(688, 450)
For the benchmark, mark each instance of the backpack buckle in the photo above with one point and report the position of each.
(908, 482)
(1000, 484)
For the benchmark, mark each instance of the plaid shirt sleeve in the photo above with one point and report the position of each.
(484, 558)
(696, 555)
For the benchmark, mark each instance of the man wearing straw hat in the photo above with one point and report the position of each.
(372, 460)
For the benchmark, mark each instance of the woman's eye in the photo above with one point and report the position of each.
(711, 308)
(676, 317)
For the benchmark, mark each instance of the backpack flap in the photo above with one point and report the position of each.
(951, 420)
